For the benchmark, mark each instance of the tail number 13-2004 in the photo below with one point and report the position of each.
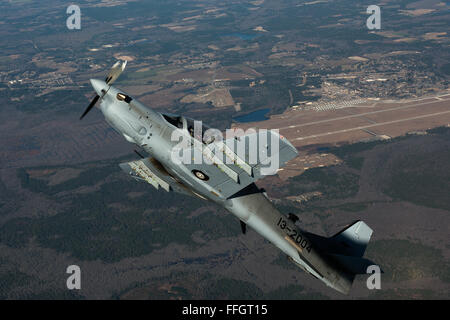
(294, 235)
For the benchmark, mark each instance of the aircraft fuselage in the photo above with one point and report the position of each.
(152, 132)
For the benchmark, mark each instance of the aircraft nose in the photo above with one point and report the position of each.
(98, 86)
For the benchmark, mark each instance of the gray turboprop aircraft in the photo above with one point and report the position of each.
(231, 184)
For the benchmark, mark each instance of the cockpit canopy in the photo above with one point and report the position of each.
(174, 120)
(196, 130)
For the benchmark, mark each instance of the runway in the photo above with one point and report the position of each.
(362, 114)
(373, 125)
(347, 125)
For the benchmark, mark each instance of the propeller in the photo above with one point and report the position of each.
(115, 72)
(243, 227)
(111, 77)
(93, 102)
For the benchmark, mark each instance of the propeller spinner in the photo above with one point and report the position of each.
(112, 76)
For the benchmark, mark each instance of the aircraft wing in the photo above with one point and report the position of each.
(239, 161)
(152, 172)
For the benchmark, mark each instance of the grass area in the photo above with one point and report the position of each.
(418, 176)
(91, 230)
(293, 292)
(107, 224)
(405, 260)
(274, 92)
(348, 150)
(154, 292)
(226, 288)
(11, 279)
(5, 60)
(208, 286)
(422, 178)
(88, 177)
(19, 1)
(5, 194)
(142, 77)
(284, 262)
(353, 206)
(332, 182)
(60, 101)
(355, 162)
(55, 294)
(401, 294)
(152, 72)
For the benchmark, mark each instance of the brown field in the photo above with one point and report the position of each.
(163, 98)
(218, 97)
(204, 75)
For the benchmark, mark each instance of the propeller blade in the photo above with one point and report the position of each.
(115, 72)
(243, 227)
(93, 102)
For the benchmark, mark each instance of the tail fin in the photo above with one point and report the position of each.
(353, 240)
(350, 245)
(347, 247)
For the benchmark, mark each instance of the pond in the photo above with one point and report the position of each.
(241, 36)
(258, 115)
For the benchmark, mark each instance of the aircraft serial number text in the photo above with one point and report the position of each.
(294, 235)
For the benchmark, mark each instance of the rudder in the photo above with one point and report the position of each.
(353, 240)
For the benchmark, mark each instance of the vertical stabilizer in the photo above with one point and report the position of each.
(353, 239)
